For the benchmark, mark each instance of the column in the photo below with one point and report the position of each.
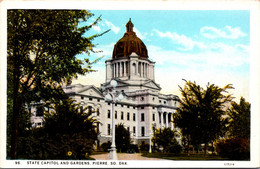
(118, 69)
(167, 120)
(127, 68)
(160, 119)
(115, 69)
(124, 69)
(141, 67)
(145, 69)
(148, 70)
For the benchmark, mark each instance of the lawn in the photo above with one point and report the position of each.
(170, 156)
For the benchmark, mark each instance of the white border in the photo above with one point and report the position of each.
(253, 6)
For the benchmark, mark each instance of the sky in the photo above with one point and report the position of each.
(205, 46)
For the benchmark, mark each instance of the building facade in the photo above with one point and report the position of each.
(144, 107)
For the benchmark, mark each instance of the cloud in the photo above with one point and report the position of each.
(138, 33)
(227, 32)
(187, 43)
(112, 26)
(96, 28)
(216, 56)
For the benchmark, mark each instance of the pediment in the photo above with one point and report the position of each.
(152, 84)
(119, 83)
(90, 91)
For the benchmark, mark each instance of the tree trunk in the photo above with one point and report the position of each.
(205, 149)
(188, 149)
(17, 104)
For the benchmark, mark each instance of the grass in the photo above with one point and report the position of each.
(170, 156)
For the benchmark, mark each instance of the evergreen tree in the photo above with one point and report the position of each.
(122, 138)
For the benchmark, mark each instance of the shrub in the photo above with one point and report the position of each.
(144, 147)
(174, 147)
(133, 149)
(105, 146)
(234, 149)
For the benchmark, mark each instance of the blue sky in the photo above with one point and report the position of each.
(197, 45)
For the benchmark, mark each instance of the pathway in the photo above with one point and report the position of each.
(123, 156)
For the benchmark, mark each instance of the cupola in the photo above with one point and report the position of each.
(129, 43)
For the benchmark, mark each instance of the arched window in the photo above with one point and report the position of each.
(139, 68)
(134, 68)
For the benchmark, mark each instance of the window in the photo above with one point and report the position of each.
(116, 104)
(134, 68)
(142, 117)
(122, 105)
(160, 101)
(98, 100)
(115, 114)
(153, 107)
(142, 131)
(133, 116)
(153, 117)
(108, 114)
(89, 109)
(82, 97)
(128, 106)
(81, 108)
(108, 103)
(90, 99)
(142, 107)
(164, 102)
(142, 99)
(122, 115)
(108, 129)
(134, 129)
(133, 107)
(39, 111)
(98, 112)
(128, 116)
(128, 129)
(153, 98)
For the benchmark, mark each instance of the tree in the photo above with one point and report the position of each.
(42, 46)
(166, 138)
(200, 114)
(68, 132)
(239, 126)
(122, 138)
(237, 145)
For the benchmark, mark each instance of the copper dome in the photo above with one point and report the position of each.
(129, 43)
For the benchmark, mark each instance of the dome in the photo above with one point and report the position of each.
(129, 43)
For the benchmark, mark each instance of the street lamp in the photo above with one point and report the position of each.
(113, 96)
(152, 133)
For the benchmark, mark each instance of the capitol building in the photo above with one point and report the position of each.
(142, 109)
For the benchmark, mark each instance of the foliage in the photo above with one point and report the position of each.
(122, 137)
(174, 147)
(144, 147)
(234, 148)
(133, 148)
(67, 129)
(106, 146)
(183, 157)
(200, 114)
(42, 46)
(166, 138)
(239, 114)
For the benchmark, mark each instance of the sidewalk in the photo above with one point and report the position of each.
(124, 156)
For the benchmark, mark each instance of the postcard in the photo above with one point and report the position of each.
(126, 84)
